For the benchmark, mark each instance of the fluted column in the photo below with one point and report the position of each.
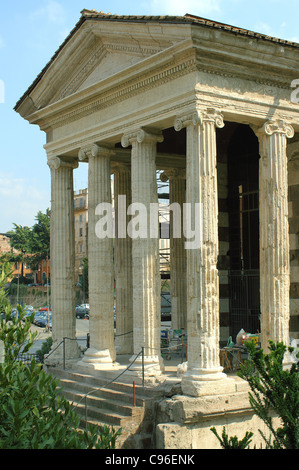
(145, 251)
(101, 353)
(62, 259)
(274, 232)
(177, 199)
(204, 374)
(123, 260)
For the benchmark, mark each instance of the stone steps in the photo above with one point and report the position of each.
(110, 404)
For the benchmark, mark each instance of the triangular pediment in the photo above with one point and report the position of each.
(95, 52)
(102, 61)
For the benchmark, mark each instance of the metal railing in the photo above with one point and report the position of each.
(96, 390)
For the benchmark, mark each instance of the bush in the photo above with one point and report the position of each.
(45, 349)
(233, 442)
(33, 415)
(274, 389)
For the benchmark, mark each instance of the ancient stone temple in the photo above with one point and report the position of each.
(210, 106)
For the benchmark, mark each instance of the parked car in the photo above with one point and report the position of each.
(85, 306)
(43, 309)
(42, 321)
(38, 315)
(82, 312)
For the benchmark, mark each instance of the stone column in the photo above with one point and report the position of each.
(178, 286)
(101, 354)
(204, 374)
(145, 252)
(62, 235)
(123, 260)
(274, 232)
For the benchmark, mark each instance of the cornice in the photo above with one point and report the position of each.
(102, 95)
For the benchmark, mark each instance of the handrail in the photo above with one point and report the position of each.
(108, 383)
(63, 342)
(123, 334)
(84, 397)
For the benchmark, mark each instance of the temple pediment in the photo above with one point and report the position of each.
(95, 51)
(109, 58)
(102, 61)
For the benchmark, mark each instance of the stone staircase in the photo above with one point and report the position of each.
(112, 405)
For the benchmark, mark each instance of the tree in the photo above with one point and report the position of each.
(20, 239)
(40, 235)
(39, 248)
(274, 389)
(232, 442)
(5, 273)
(32, 413)
(32, 243)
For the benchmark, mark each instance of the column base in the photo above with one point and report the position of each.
(201, 382)
(98, 359)
(153, 369)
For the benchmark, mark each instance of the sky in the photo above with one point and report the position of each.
(30, 33)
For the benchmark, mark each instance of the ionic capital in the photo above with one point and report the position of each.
(94, 151)
(56, 162)
(141, 136)
(272, 128)
(279, 127)
(199, 117)
(212, 115)
(275, 127)
(186, 120)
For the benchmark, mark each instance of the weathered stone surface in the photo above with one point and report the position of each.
(115, 78)
(274, 232)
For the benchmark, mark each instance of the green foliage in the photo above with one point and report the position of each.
(107, 438)
(232, 442)
(45, 348)
(15, 333)
(274, 389)
(20, 238)
(40, 234)
(32, 243)
(14, 289)
(33, 414)
(5, 273)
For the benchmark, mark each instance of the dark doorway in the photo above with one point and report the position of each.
(243, 203)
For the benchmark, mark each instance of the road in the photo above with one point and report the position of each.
(82, 328)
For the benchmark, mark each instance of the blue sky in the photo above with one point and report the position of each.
(30, 33)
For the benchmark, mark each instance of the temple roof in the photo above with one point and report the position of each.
(93, 15)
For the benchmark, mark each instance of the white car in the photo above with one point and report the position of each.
(84, 306)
